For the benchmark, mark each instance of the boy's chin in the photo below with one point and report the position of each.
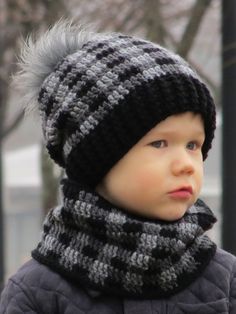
(170, 214)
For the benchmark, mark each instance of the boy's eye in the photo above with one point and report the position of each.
(192, 145)
(159, 144)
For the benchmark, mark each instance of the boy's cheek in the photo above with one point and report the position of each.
(199, 180)
(143, 178)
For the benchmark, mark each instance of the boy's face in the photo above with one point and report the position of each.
(160, 176)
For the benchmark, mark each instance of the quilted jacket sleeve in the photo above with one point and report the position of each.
(233, 291)
(15, 299)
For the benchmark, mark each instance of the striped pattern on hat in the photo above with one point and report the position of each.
(101, 99)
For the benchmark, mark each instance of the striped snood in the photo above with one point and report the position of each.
(99, 101)
(102, 247)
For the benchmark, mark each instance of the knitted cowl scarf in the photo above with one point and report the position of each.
(102, 247)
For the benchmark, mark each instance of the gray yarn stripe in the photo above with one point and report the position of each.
(169, 275)
(132, 282)
(149, 73)
(87, 61)
(148, 243)
(50, 244)
(69, 257)
(116, 254)
(140, 261)
(114, 98)
(57, 86)
(49, 85)
(73, 257)
(107, 81)
(98, 271)
(104, 84)
(84, 68)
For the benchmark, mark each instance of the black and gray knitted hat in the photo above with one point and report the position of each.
(98, 94)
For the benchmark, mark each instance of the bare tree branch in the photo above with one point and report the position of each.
(118, 25)
(154, 21)
(21, 17)
(15, 123)
(178, 15)
(197, 14)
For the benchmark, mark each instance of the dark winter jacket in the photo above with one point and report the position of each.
(37, 289)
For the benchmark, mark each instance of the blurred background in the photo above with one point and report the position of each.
(29, 181)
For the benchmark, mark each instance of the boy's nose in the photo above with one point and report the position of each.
(182, 164)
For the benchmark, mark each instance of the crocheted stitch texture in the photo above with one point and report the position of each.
(104, 248)
(100, 100)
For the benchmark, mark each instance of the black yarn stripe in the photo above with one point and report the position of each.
(43, 90)
(93, 46)
(157, 110)
(55, 153)
(167, 233)
(90, 251)
(92, 248)
(105, 53)
(50, 100)
(79, 275)
(104, 48)
(124, 36)
(92, 49)
(62, 120)
(116, 262)
(164, 61)
(64, 238)
(95, 100)
(202, 259)
(41, 94)
(46, 228)
(63, 117)
(73, 81)
(208, 112)
(128, 72)
(85, 87)
(138, 43)
(64, 71)
(48, 103)
(62, 75)
(101, 232)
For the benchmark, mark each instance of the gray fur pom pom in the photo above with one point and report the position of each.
(39, 57)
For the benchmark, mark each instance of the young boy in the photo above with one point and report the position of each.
(131, 123)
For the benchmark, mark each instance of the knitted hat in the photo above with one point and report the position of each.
(98, 94)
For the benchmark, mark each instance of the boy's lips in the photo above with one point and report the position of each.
(184, 192)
